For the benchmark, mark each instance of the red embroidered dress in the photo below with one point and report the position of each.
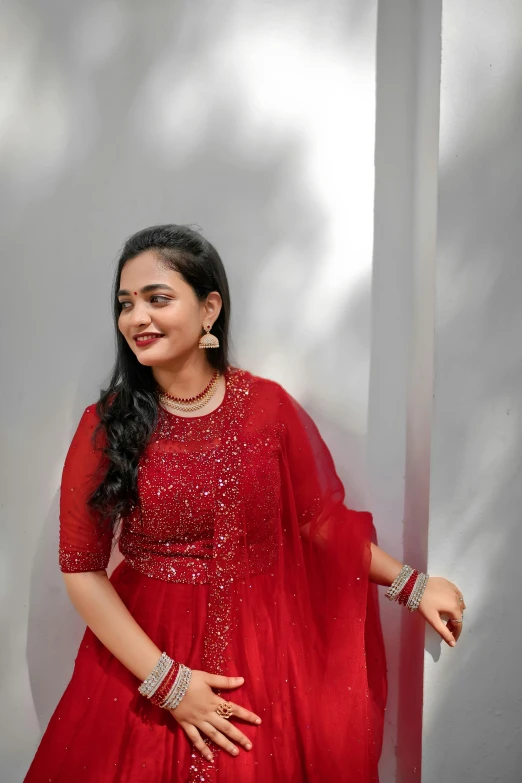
(240, 559)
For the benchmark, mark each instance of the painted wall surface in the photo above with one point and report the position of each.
(254, 121)
(473, 693)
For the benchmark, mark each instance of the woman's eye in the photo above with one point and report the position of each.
(163, 300)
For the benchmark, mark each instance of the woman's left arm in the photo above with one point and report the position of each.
(317, 494)
(440, 595)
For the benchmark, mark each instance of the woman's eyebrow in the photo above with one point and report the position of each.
(146, 288)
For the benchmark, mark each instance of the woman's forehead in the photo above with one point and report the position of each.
(147, 268)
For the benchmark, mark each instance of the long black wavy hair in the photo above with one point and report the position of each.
(128, 407)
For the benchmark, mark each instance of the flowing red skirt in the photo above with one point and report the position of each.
(97, 734)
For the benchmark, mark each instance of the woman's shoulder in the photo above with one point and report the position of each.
(88, 427)
(90, 420)
(91, 412)
(241, 373)
(259, 385)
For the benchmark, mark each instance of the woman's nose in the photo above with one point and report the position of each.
(139, 315)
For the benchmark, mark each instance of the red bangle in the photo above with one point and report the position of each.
(165, 686)
(407, 589)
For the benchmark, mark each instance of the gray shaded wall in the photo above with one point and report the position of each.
(472, 717)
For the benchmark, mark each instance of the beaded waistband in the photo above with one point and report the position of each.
(172, 569)
(195, 571)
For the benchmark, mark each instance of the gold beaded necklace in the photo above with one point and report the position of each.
(191, 403)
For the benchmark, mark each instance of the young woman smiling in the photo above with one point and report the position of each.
(239, 639)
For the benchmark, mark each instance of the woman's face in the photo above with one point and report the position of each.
(168, 308)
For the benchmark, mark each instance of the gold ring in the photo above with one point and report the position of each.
(224, 710)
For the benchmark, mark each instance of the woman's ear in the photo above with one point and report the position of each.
(213, 305)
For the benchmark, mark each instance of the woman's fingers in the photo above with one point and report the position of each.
(242, 713)
(436, 622)
(226, 727)
(456, 615)
(199, 743)
(455, 610)
(193, 714)
(456, 628)
(220, 681)
(251, 717)
(459, 594)
(462, 604)
(443, 598)
(197, 713)
(217, 737)
(451, 631)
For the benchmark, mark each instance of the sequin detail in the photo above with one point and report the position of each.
(193, 473)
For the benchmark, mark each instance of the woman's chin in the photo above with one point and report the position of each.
(151, 361)
(148, 358)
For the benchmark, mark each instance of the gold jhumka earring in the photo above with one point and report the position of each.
(208, 340)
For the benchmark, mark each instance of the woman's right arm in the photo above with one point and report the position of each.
(95, 599)
(84, 555)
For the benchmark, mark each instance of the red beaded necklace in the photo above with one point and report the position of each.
(189, 400)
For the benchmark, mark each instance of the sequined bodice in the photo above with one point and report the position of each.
(195, 468)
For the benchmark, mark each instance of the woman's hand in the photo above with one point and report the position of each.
(197, 710)
(442, 597)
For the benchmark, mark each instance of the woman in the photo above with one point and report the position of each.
(239, 639)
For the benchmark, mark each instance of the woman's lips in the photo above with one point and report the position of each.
(148, 341)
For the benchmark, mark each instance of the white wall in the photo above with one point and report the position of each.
(472, 717)
(255, 121)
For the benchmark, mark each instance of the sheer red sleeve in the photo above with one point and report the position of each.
(317, 490)
(316, 487)
(81, 545)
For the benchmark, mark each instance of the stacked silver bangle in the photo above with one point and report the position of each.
(394, 591)
(151, 683)
(170, 697)
(395, 588)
